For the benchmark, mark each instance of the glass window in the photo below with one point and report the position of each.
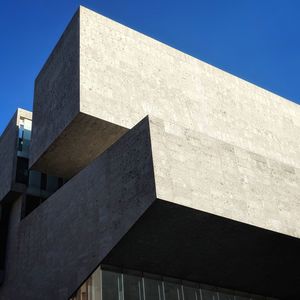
(120, 286)
(209, 295)
(112, 286)
(153, 289)
(133, 288)
(22, 170)
(94, 289)
(242, 298)
(223, 296)
(52, 184)
(172, 291)
(191, 293)
(35, 181)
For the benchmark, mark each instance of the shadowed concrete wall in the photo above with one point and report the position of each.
(78, 145)
(56, 91)
(180, 242)
(8, 144)
(60, 243)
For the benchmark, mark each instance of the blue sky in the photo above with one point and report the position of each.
(257, 40)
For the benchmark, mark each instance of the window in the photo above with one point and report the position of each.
(111, 285)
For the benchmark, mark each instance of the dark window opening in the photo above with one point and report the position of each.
(22, 170)
(30, 203)
(43, 181)
(4, 220)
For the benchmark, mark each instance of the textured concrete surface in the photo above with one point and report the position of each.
(56, 92)
(224, 146)
(198, 171)
(60, 243)
(79, 143)
(8, 152)
(215, 143)
(124, 76)
(8, 143)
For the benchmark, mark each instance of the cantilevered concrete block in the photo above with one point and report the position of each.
(198, 171)
(65, 139)
(9, 151)
(219, 144)
(116, 76)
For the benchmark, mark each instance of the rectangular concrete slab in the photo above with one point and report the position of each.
(204, 173)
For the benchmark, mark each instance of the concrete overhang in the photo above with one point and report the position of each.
(85, 138)
(177, 241)
(102, 74)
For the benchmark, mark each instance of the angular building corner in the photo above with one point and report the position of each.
(148, 175)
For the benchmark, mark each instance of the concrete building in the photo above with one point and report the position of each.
(147, 174)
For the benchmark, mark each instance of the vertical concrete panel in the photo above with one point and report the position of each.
(125, 75)
(8, 151)
(198, 171)
(56, 95)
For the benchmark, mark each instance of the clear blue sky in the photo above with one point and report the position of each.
(257, 40)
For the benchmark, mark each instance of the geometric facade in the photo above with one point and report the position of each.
(149, 175)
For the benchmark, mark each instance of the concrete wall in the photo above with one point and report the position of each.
(201, 172)
(224, 146)
(106, 70)
(237, 142)
(8, 144)
(56, 91)
(58, 245)
(125, 75)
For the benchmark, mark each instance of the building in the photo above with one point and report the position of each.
(147, 174)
